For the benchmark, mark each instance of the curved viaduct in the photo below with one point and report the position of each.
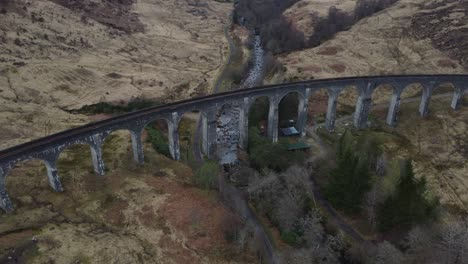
(49, 148)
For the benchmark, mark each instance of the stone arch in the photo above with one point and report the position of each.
(255, 98)
(425, 91)
(290, 105)
(22, 178)
(410, 97)
(189, 124)
(115, 147)
(342, 104)
(257, 113)
(347, 98)
(381, 98)
(450, 89)
(75, 161)
(156, 133)
(318, 101)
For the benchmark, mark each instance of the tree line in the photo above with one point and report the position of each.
(356, 184)
(279, 34)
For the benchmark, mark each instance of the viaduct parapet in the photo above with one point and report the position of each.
(49, 148)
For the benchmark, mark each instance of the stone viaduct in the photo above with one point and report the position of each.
(49, 148)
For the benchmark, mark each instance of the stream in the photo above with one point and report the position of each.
(228, 118)
(255, 73)
(227, 141)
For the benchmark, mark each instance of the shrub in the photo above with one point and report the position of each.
(365, 8)
(206, 176)
(292, 238)
(258, 112)
(285, 198)
(108, 108)
(158, 141)
(337, 20)
(265, 154)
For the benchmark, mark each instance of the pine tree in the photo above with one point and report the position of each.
(409, 205)
(350, 180)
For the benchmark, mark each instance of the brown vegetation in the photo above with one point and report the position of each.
(329, 51)
(115, 13)
(339, 68)
(444, 23)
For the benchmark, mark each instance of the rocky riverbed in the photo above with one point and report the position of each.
(228, 117)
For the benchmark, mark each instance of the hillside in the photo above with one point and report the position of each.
(135, 214)
(61, 55)
(409, 37)
(385, 43)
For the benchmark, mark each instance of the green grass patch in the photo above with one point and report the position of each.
(206, 176)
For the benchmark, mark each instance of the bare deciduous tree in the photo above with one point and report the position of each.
(387, 253)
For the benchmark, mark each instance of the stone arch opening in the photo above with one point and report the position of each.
(381, 97)
(451, 94)
(117, 150)
(258, 115)
(75, 166)
(341, 106)
(411, 99)
(155, 136)
(346, 103)
(317, 109)
(447, 94)
(412, 91)
(25, 181)
(288, 110)
(75, 161)
(190, 137)
(445, 88)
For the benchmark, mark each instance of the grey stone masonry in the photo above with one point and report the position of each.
(394, 108)
(457, 98)
(137, 146)
(333, 93)
(303, 106)
(209, 132)
(426, 98)
(48, 149)
(96, 154)
(244, 123)
(54, 179)
(363, 105)
(272, 129)
(173, 131)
